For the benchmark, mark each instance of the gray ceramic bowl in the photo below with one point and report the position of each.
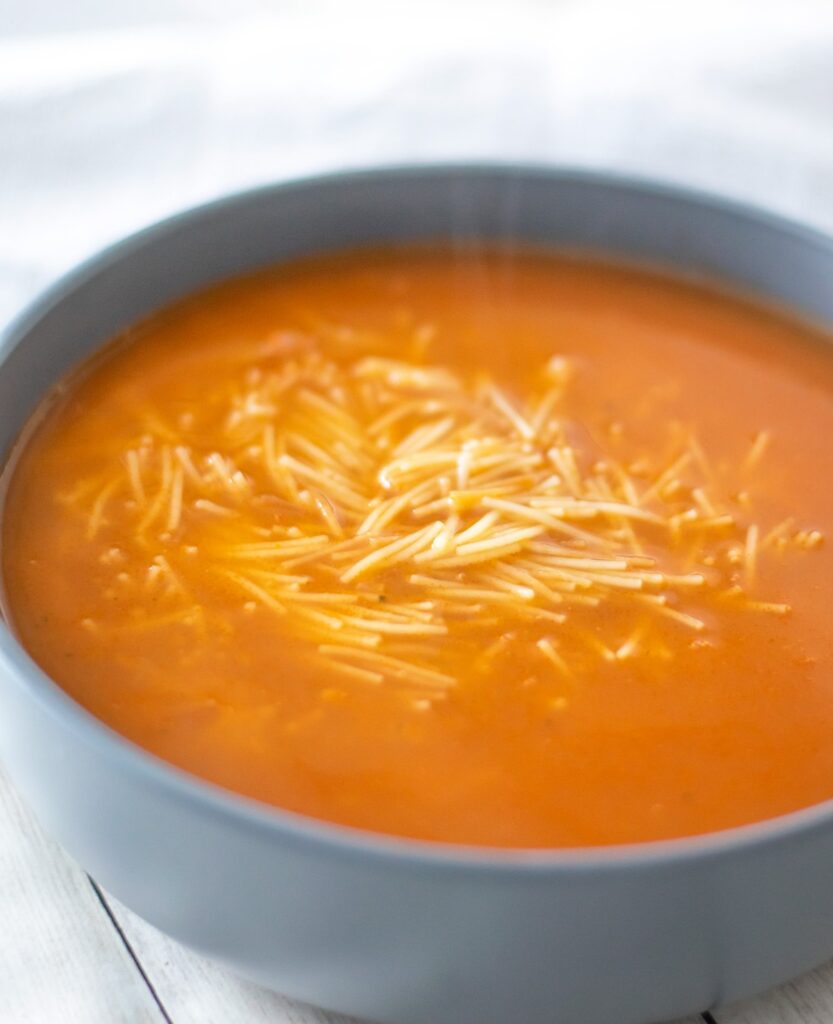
(384, 928)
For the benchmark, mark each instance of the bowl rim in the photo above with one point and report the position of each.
(273, 822)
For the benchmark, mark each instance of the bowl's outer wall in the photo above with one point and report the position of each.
(377, 934)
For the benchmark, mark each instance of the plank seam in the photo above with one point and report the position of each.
(102, 899)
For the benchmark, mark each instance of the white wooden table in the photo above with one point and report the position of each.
(71, 954)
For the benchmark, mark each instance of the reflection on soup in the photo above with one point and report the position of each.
(519, 551)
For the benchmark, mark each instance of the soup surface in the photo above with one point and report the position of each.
(519, 551)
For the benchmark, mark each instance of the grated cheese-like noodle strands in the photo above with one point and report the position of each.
(384, 509)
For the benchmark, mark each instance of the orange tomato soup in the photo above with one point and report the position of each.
(519, 551)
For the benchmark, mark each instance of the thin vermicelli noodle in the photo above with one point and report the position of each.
(413, 497)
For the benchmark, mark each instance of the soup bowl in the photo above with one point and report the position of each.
(392, 929)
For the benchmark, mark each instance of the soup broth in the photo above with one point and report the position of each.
(522, 551)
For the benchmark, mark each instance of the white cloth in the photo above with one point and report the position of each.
(114, 114)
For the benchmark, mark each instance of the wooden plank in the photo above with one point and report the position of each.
(196, 991)
(808, 1000)
(61, 959)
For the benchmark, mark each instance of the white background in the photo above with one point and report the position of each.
(113, 114)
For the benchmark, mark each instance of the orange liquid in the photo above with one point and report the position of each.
(733, 724)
